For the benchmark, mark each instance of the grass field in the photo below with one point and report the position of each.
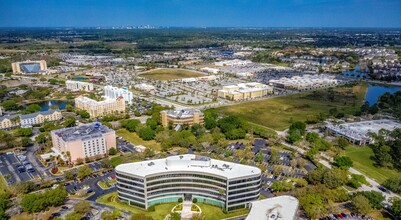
(170, 74)
(134, 139)
(278, 112)
(362, 162)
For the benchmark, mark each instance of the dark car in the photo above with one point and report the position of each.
(382, 188)
(64, 207)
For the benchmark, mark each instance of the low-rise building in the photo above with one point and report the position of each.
(91, 140)
(234, 62)
(40, 117)
(244, 91)
(30, 67)
(111, 92)
(220, 183)
(9, 122)
(276, 208)
(210, 70)
(304, 82)
(79, 86)
(100, 108)
(185, 116)
(144, 87)
(359, 132)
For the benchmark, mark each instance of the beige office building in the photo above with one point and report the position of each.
(30, 67)
(100, 108)
(89, 140)
(185, 116)
(244, 91)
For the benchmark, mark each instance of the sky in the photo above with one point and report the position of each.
(201, 13)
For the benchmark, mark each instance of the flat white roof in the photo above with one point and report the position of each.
(280, 207)
(188, 163)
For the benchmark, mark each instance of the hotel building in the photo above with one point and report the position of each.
(9, 122)
(244, 91)
(88, 140)
(185, 116)
(79, 86)
(100, 108)
(111, 92)
(225, 184)
(39, 118)
(29, 67)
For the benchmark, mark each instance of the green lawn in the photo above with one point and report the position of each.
(3, 184)
(159, 214)
(362, 162)
(170, 74)
(213, 212)
(278, 112)
(210, 212)
(134, 139)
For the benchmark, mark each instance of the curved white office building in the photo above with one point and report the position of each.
(228, 185)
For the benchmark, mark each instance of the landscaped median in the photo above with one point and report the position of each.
(107, 184)
(210, 212)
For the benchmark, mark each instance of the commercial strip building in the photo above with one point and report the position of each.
(358, 132)
(28, 120)
(244, 91)
(79, 86)
(100, 108)
(89, 140)
(180, 117)
(210, 70)
(275, 208)
(30, 67)
(304, 82)
(111, 92)
(40, 117)
(225, 184)
(197, 79)
(234, 62)
(144, 87)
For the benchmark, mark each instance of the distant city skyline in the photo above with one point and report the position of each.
(201, 13)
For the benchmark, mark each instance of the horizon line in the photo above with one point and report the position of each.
(203, 27)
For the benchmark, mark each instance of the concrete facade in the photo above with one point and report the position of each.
(88, 140)
(185, 116)
(220, 183)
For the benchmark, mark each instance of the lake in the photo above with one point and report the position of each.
(374, 91)
(45, 105)
(79, 78)
(356, 73)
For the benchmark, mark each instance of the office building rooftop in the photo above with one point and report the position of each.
(184, 113)
(82, 132)
(189, 163)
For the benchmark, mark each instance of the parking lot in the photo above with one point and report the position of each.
(16, 168)
(124, 146)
